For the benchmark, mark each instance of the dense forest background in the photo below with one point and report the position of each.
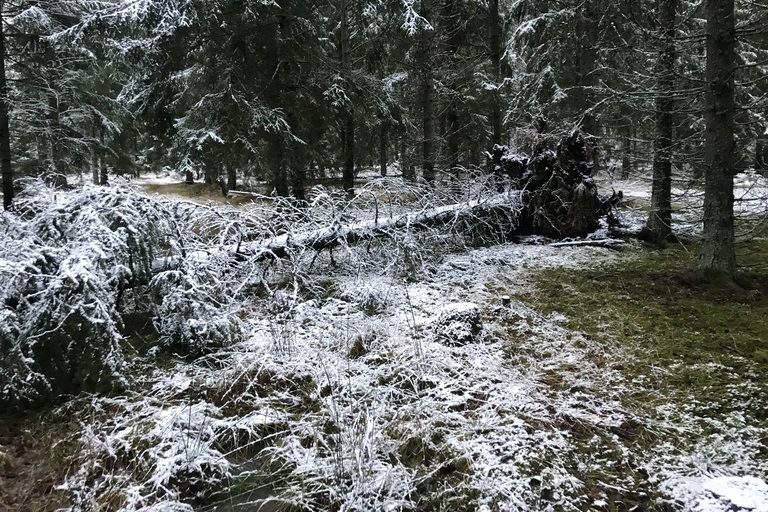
(291, 91)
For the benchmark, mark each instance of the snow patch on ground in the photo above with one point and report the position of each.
(162, 178)
(723, 494)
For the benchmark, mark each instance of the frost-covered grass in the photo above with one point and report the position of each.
(392, 377)
(699, 358)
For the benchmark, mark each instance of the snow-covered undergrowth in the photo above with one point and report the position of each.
(352, 401)
(65, 263)
(388, 376)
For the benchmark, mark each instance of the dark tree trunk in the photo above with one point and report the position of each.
(427, 95)
(103, 159)
(348, 175)
(718, 246)
(406, 164)
(454, 33)
(428, 126)
(587, 25)
(659, 224)
(454, 141)
(278, 161)
(43, 156)
(496, 53)
(348, 137)
(5, 130)
(298, 180)
(626, 156)
(95, 166)
(383, 142)
(57, 151)
(231, 177)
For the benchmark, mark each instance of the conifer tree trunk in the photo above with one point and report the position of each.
(348, 138)
(231, 177)
(626, 153)
(280, 174)
(5, 130)
(718, 245)
(406, 165)
(453, 28)
(42, 152)
(59, 164)
(95, 166)
(587, 26)
(298, 182)
(103, 159)
(428, 126)
(659, 224)
(383, 158)
(427, 96)
(496, 53)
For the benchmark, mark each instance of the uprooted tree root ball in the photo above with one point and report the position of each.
(559, 197)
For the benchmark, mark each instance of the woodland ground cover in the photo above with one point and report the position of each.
(614, 379)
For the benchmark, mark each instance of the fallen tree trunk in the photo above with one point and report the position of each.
(281, 246)
(550, 194)
(602, 242)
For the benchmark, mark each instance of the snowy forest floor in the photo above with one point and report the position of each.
(616, 379)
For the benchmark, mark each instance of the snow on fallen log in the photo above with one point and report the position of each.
(336, 234)
(552, 194)
(603, 242)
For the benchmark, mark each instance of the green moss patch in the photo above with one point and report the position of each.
(662, 310)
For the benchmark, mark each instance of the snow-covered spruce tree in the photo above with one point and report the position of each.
(5, 134)
(67, 260)
(61, 99)
(191, 309)
(218, 84)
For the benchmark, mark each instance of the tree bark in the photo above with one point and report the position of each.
(453, 28)
(231, 177)
(278, 161)
(659, 225)
(298, 182)
(406, 165)
(626, 156)
(496, 53)
(57, 150)
(95, 166)
(718, 245)
(428, 127)
(348, 175)
(427, 96)
(587, 25)
(5, 130)
(103, 159)
(383, 142)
